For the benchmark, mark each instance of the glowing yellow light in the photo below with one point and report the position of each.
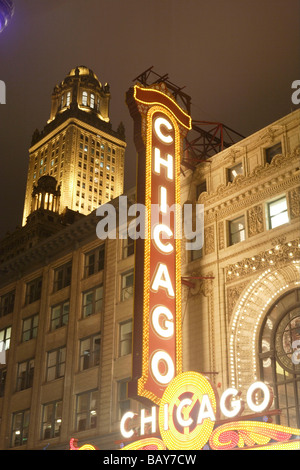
(150, 443)
(200, 391)
(147, 245)
(170, 101)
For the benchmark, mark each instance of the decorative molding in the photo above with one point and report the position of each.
(281, 254)
(221, 235)
(255, 220)
(209, 240)
(232, 294)
(261, 171)
(294, 199)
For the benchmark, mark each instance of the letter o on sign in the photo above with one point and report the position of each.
(157, 357)
(267, 400)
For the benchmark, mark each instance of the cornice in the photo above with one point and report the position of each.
(245, 191)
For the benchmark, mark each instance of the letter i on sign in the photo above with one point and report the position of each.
(159, 128)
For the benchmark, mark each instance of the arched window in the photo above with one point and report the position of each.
(68, 98)
(92, 100)
(280, 356)
(84, 98)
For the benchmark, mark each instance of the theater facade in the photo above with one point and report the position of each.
(66, 316)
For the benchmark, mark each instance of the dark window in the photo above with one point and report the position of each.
(94, 261)
(62, 276)
(7, 303)
(2, 381)
(30, 327)
(33, 290)
(25, 375)
(201, 188)
(272, 151)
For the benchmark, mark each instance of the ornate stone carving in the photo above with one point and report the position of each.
(209, 240)
(294, 196)
(277, 256)
(221, 235)
(255, 220)
(233, 294)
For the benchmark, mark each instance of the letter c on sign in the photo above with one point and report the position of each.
(125, 417)
(160, 121)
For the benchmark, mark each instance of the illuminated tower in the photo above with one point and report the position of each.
(78, 146)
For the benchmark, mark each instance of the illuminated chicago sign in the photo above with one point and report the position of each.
(160, 125)
(188, 418)
(186, 409)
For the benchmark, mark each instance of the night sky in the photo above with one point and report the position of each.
(236, 58)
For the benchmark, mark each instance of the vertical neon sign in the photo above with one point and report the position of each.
(159, 127)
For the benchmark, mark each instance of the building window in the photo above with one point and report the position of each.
(92, 301)
(125, 343)
(7, 303)
(128, 247)
(25, 375)
(5, 336)
(89, 352)
(92, 100)
(62, 276)
(123, 400)
(127, 285)
(272, 151)
(20, 426)
(60, 315)
(86, 410)
(56, 362)
(94, 261)
(84, 98)
(234, 171)
(277, 213)
(68, 98)
(33, 290)
(30, 327)
(237, 230)
(51, 421)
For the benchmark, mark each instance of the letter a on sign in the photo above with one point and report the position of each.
(159, 128)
